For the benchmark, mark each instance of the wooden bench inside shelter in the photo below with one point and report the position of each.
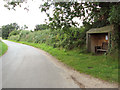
(103, 48)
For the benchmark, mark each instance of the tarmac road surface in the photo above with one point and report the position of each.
(24, 66)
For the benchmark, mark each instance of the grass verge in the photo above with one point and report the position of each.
(99, 66)
(3, 48)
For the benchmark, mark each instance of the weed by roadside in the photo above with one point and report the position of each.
(3, 48)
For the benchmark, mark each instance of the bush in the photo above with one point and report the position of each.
(15, 37)
(56, 38)
(23, 34)
(15, 32)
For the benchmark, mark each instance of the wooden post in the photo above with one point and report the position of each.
(88, 42)
(109, 41)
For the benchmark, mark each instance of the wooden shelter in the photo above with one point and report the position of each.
(99, 39)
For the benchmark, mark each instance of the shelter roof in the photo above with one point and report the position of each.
(104, 29)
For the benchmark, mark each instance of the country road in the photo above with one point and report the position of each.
(24, 66)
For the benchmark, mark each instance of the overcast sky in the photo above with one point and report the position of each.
(23, 17)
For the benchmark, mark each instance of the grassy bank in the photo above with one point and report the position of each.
(3, 48)
(98, 66)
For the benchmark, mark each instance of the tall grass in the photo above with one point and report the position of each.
(3, 48)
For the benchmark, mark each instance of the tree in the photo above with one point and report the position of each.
(14, 32)
(41, 27)
(6, 29)
(95, 13)
(25, 27)
(0, 32)
(115, 20)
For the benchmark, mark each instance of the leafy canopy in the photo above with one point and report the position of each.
(96, 14)
(6, 29)
(41, 27)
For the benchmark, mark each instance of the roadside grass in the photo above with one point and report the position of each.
(99, 66)
(3, 48)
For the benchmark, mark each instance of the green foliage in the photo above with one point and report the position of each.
(96, 13)
(23, 34)
(19, 35)
(114, 18)
(56, 38)
(14, 37)
(3, 48)
(12, 4)
(41, 27)
(15, 32)
(115, 14)
(24, 27)
(0, 32)
(6, 29)
(63, 14)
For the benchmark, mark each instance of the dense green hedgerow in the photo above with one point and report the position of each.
(15, 37)
(55, 38)
(15, 32)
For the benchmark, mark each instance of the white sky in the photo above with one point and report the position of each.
(21, 16)
(31, 18)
